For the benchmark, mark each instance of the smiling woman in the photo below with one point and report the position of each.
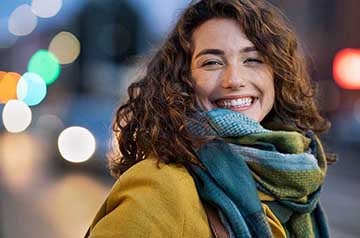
(220, 136)
(229, 72)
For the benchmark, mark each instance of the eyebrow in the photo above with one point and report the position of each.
(221, 52)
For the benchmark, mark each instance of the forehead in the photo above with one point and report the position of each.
(220, 33)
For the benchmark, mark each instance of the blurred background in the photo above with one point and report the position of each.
(65, 66)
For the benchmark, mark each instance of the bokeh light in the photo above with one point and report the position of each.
(20, 160)
(31, 89)
(46, 8)
(346, 68)
(16, 116)
(49, 122)
(22, 21)
(76, 144)
(65, 46)
(8, 84)
(48, 126)
(45, 64)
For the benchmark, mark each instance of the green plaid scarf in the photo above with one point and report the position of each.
(286, 165)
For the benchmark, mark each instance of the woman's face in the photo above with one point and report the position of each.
(229, 72)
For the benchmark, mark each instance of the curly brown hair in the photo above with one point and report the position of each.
(163, 100)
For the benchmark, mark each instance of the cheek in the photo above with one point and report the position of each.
(270, 91)
(203, 92)
(265, 83)
(205, 84)
(271, 87)
(267, 80)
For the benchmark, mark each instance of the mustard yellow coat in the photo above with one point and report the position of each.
(150, 202)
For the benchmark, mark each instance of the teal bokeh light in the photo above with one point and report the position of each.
(31, 89)
(45, 64)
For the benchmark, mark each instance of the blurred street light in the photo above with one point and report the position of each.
(346, 69)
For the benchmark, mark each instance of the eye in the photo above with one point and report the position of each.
(253, 60)
(211, 63)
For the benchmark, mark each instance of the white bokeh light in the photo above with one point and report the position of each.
(46, 8)
(16, 116)
(76, 144)
(22, 21)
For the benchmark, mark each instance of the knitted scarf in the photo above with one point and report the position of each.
(285, 165)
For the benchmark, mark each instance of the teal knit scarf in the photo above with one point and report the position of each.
(248, 158)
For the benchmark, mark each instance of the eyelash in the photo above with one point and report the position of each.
(211, 62)
(253, 60)
(249, 60)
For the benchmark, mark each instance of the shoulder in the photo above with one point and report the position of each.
(149, 177)
(151, 170)
(152, 198)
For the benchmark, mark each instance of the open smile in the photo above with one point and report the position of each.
(236, 104)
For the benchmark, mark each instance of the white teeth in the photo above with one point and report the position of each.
(235, 103)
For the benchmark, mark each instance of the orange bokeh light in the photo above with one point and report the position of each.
(8, 84)
(346, 69)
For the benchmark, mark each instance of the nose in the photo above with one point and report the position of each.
(233, 77)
